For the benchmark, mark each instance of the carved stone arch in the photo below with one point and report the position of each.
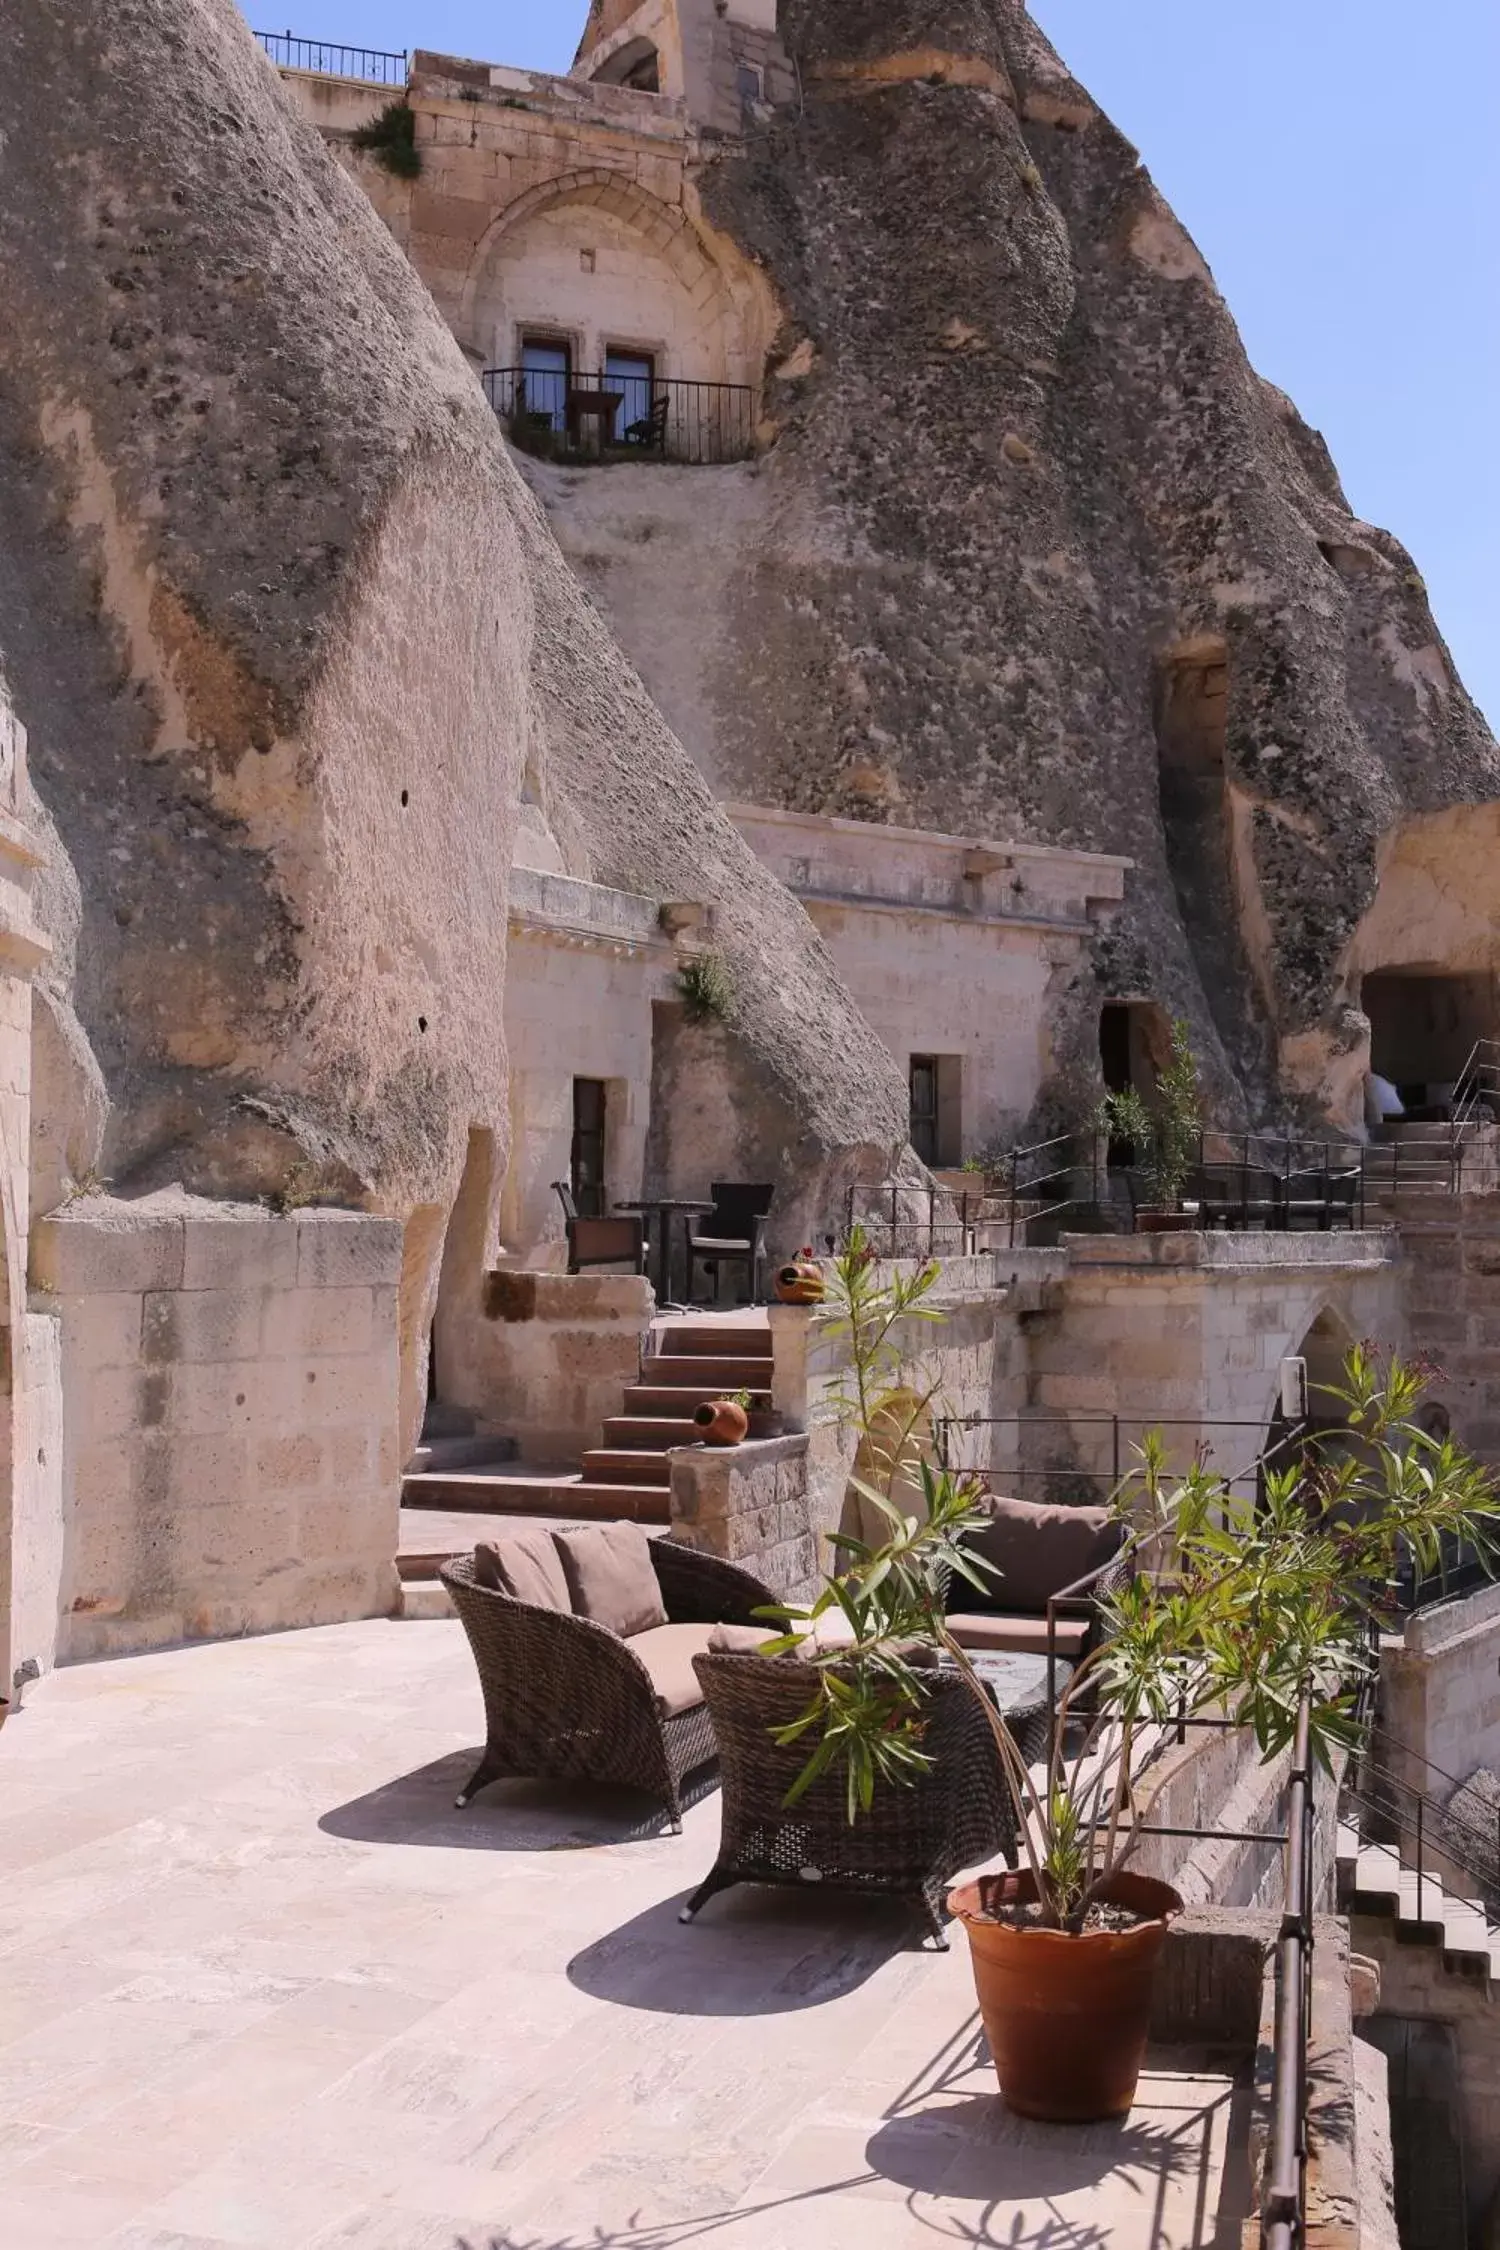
(668, 232)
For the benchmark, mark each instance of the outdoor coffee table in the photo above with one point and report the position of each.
(1017, 1686)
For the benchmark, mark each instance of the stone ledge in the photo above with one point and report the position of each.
(1212, 1252)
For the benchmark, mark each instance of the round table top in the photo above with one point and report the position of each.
(1014, 1680)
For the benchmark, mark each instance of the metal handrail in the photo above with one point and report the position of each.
(1283, 2222)
(675, 417)
(372, 66)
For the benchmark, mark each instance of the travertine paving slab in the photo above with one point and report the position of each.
(263, 1988)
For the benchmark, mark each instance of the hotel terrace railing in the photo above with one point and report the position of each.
(600, 417)
(372, 66)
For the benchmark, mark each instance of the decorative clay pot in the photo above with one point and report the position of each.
(719, 1421)
(1066, 2017)
(801, 1282)
(1165, 1222)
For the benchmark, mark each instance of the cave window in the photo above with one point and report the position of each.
(636, 65)
(586, 1156)
(935, 1084)
(1424, 1025)
(546, 373)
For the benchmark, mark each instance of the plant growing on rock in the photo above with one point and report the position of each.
(706, 988)
(391, 138)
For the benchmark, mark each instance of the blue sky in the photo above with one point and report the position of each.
(1337, 163)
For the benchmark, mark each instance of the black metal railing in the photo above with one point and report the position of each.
(1047, 1178)
(1097, 1451)
(562, 414)
(372, 66)
(1283, 2219)
(900, 1221)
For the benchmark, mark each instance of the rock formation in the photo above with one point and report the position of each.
(287, 631)
(1036, 554)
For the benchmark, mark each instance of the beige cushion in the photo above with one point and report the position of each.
(1017, 1636)
(740, 1640)
(611, 1577)
(526, 1565)
(667, 1651)
(1039, 1550)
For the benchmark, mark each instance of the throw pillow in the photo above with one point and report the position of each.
(525, 1565)
(610, 1576)
(1038, 1550)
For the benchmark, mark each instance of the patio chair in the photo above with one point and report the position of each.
(649, 430)
(570, 1698)
(732, 1234)
(911, 1842)
(1055, 1564)
(615, 1241)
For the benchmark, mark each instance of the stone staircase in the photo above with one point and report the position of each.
(1374, 1880)
(1414, 1157)
(627, 1475)
(689, 1361)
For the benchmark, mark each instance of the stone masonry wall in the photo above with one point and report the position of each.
(749, 1504)
(231, 1454)
(1451, 1248)
(549, 1357)
(1415, 1986)
(1440, 1694)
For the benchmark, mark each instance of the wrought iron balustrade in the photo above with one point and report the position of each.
(566, 415)
(372, 66)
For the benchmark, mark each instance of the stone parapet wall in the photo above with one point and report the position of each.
(231, 1456)
(1451, 1247)
(750, 1504)
(549, 1355)
(1440, 1694)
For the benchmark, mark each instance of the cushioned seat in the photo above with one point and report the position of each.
(1017, 1636)
(667, 1651)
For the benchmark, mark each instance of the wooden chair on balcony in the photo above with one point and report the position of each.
(649, 430)
(615, 1241)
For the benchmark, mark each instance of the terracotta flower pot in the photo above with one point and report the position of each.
(719, 1421)
(801, 1282)
(1066, 2017)
(1165, 1222)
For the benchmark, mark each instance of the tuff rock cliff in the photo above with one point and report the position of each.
(1035, 554)
(288, 633)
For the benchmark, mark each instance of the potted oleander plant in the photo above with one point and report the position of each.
(1259, 1609)
(1164, 1134)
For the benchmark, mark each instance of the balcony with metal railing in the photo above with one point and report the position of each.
(324, 58)
(561, 414)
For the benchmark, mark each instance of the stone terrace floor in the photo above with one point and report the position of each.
(261, 1985)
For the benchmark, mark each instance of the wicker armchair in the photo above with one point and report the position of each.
(566, 1699)
(911, 1842)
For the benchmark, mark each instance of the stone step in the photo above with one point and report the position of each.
(649, 1433)
(608, 1464)
(635, 1503)
(477, 1452)
(721, 1374)
(689, 1338)
(425, 1597)
(471, 1491)
(669, 1401)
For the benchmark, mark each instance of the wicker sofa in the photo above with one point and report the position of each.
(912, 1841)
(570, 1697)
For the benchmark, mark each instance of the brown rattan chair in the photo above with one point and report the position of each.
(911, 1842)
(568, 1700)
